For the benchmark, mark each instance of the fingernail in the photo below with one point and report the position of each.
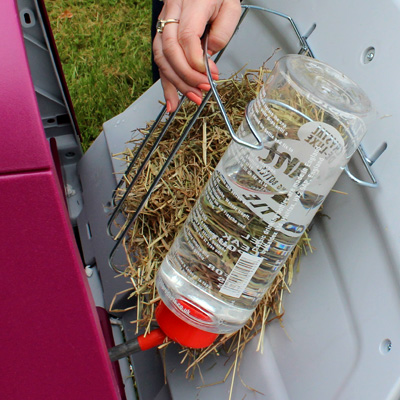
(215, 76)
(204, 86)
(168, 106)
(193, 96)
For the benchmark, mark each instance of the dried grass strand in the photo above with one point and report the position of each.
(158, 223)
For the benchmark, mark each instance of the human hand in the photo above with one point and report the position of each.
(178, 51)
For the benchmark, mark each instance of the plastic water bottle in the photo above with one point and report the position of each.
(258, 203)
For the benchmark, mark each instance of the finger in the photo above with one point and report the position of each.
(224, 25)
(172, 51)
(176, 58)
(194, 18)
(170, 94)
(171, 82)
(169, 71)
(171, 9)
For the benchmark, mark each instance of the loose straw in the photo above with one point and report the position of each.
(151, 236)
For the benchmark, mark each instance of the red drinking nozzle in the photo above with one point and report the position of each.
(181, 332)
(141, 343)
(152, 339)
(171, 326)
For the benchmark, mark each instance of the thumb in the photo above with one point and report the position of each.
(224, 25)
(223, 16)
(194, 19)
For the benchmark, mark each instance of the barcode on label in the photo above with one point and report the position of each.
(241, 275)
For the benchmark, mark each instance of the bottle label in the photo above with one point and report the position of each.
(288, 178)
(241, 275)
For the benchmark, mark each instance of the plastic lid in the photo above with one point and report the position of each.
(181, 332)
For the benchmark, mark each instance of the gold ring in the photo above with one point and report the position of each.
(162, 22)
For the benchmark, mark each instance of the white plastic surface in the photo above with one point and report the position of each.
(342, 319)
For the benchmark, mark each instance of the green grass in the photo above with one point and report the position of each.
(105, 50)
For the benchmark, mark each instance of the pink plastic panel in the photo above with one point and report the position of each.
(21, 149)
(52, 345)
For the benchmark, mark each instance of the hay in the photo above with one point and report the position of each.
(153, 233)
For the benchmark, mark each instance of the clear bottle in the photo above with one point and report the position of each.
(258, 203)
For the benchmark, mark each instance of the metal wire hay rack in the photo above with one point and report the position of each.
(118, 205)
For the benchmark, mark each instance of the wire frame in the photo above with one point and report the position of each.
(121, 235)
